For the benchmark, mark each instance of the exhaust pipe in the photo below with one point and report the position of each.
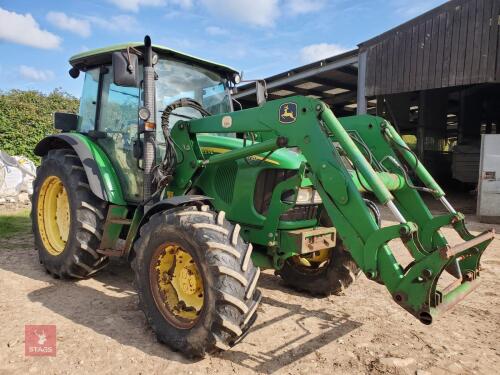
(149, 155)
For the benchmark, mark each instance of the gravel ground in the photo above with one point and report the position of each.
(101, 330)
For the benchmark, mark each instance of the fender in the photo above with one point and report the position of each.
(100, 173)
(163, 205)
(173, 202)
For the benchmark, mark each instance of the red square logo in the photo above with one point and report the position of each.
(40, 340)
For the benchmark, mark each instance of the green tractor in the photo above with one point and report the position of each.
(157, 168)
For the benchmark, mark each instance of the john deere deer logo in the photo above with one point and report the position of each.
(288, 113)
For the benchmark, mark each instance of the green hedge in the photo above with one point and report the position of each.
(26, 118)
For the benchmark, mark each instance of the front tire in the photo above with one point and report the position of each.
(195, 279)
(331, 274)
(66, 217)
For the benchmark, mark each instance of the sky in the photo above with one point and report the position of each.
(258, 37)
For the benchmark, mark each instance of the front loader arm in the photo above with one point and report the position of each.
(312, 127)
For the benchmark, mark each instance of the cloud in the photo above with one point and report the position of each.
(135, 5)
(121, 22)
(253, 12)
(410, 8)
(34, 74)
(74, 25)
(301, 6)
(23, 29)
(315, 52)
(215, 30)
(184, 4)
(263, 13)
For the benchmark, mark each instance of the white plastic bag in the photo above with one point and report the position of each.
(16, 175)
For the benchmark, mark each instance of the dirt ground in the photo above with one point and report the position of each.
(101, 330)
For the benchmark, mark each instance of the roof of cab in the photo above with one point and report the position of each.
(103, 55)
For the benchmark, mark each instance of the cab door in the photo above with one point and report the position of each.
(117, 119)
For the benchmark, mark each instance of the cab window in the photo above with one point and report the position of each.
(118, 107)
(88, 101)
(183, 80)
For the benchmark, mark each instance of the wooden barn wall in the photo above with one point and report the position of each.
(455, 44)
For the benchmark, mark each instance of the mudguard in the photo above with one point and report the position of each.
(168, 203)
(163, 205)
(100, 173)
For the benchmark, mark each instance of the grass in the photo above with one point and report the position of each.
(14, 223)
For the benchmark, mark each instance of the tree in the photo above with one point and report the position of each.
(26, 117)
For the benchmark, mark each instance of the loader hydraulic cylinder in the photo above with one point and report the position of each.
(422, 173)
(257, 148)
(356, 157)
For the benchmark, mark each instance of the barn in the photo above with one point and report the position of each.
(435, 77)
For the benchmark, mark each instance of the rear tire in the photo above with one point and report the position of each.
(223, 264)
(62, 179)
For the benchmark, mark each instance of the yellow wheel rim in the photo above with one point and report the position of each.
(177, 285)
(320, 256)
(53, 215)
(316, 259)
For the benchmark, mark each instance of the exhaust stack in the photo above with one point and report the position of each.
(149, 124)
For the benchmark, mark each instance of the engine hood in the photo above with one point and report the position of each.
(282, 158)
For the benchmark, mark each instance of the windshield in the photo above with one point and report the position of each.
(178, 80)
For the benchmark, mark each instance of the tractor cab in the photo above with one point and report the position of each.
(109, 105)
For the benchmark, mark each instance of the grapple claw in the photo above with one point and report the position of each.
(425, 300)
(448, 252)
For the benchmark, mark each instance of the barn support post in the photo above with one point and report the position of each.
(361, 93)
(421, 125)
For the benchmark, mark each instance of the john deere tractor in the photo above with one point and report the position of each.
(158, 168)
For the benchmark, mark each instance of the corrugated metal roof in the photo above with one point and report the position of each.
(334, 80)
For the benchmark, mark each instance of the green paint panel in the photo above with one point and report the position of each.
(108, 174)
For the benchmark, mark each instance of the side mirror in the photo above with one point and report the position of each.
(65, 121)
(125, 69)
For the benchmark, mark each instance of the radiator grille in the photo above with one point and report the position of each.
(224, 181)
(266, 182)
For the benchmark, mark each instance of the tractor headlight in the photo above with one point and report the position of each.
(307, 195)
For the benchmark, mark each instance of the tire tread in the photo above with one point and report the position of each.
(236, 298)
(79, 258)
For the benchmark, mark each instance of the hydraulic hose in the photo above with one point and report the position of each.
(163, 172)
